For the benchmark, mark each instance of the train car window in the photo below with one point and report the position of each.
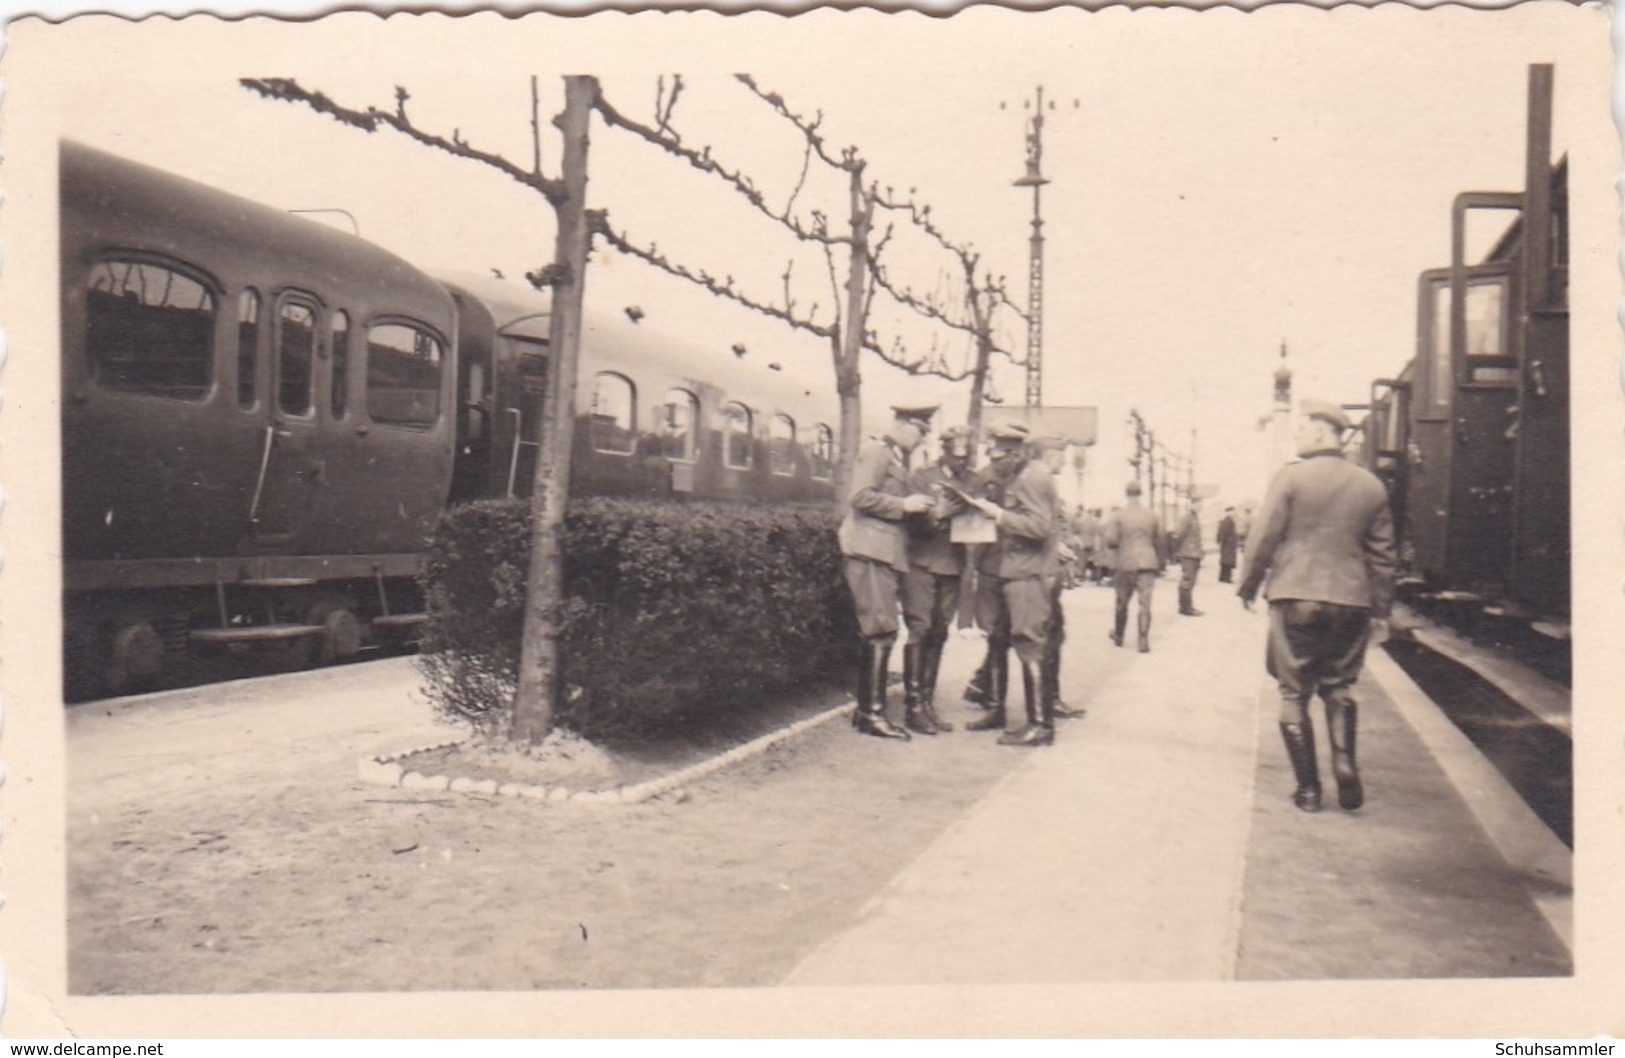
(404, 364)
(1440, 378)
(1487, 332)
(149, 330)
(678, 417)
(612, 420)
(736, 436)
(781, 445)
(248, 348)
(823, 452)
(295, 357)
(340, 394)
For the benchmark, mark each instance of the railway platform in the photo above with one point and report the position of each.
(1156, 840)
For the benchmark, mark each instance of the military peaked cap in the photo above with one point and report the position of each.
(920, 415)
(1009, 433)
(1326, 412)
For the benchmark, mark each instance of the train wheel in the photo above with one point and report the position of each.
(341, 631)
(136, 655)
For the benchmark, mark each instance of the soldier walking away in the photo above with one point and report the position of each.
(1325, 538)
(1136, 537)
(1012, 595)
(931, 586)
(875, 547)
(1227, 545)
(1189, 551)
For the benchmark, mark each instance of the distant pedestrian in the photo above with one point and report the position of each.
(876, 555)
(1325, 538)
(1088, 531)
(1106, 556)
(1227, 545)
(1189, 550)
(1135, 537)
(931, 587)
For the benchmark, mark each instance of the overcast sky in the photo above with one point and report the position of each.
(1221, 182)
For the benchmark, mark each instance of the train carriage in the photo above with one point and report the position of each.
(263, 419)
(1472, 437)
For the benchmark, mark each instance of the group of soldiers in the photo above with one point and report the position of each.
(913, 535)
(901, 555)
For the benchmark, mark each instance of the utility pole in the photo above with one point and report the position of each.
(1035, 179)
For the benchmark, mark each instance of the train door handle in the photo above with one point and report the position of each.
(1537, 375)
(283, 433)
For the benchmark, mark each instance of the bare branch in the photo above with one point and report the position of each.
(667, 139)
(371, 118)
(848, 160)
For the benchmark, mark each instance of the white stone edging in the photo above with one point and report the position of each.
(387, 770)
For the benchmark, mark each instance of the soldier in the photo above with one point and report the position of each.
(1012, 597)
(1227, 545)
(931, 585)
(1088, 529)
(1189, 551)
(1136, 538)
(1326, 539)
(876, 555)
(1051, 453)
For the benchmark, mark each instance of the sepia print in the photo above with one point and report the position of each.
(849, 524)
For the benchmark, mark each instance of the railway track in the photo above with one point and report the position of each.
(1516, 716)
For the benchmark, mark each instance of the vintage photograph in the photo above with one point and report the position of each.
(1064, 523)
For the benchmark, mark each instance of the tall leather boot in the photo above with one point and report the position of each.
(870, 718)
(931, 663)
(1143, 623)
(1040, 729)
(1119, 624)
(1185, 606)
(976, 689)
(914, 717)
(998, 684)
(1341, 717)
(1300, 750)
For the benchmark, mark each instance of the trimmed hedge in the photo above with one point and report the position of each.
(672, 611)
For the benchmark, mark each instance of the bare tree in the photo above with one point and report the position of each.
(531, 717)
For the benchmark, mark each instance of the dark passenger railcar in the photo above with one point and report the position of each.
(1480, 472)
(256, 421)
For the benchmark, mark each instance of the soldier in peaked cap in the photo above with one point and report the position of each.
(1136, 537)
(1012, 595)
(875, 547)
(1188, 549)
(1325, 538)
(931, 587)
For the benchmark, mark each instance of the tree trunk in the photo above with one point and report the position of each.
(544, 586)
(848, 379)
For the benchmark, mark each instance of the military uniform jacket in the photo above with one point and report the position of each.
(1227, 540)
(929, 545)
(1324, 534)
(1027, 539)
(873, 526)
(1190, 537)
(1137, 538)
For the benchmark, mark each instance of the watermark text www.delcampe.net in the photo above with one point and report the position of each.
(88, 1050)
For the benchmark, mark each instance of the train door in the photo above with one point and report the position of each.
(1485, 419)
(1427, 444)
(526, 402)
(290, 468)
(1541, 551)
